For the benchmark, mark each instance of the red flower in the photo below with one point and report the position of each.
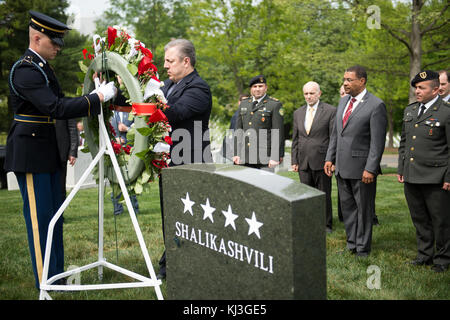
(146, 52)
(112, 35)
(127, 149)
(168, 140)
(157, 116)
(159, 163)
(111, 128)
(145, 65)
(116, 147)
(84, 53)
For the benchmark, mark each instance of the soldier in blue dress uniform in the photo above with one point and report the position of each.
(32, 151)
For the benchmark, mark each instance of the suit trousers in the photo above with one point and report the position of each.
(319, 180)
(41, 194)
(357, 203)
(429, 208)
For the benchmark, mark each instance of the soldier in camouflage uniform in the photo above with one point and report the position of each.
(424, 168)
(259, 129)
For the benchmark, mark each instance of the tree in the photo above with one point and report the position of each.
(417, 20)
(236, 40)
(66, 64)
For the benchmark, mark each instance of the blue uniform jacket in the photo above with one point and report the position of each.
(31, 144)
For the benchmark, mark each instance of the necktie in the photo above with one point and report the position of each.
(309, 119)
(348, 112)
(421, 111)
(169, 92)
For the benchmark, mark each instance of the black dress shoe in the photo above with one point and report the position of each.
(421, 262)
(439, 267)
(161, 276)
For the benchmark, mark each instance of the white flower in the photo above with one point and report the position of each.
(132, 43)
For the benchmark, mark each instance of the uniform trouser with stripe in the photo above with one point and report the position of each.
(41, 194)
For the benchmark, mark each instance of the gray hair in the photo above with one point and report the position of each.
(185, 49)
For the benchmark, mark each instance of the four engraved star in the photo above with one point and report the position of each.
(254, 226)
(208, 210)
(230, 217)
(188, 204)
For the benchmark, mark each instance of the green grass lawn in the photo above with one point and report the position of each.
(393, 245)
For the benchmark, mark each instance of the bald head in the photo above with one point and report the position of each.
(311, 92)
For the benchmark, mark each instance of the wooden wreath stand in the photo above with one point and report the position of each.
(105, 148)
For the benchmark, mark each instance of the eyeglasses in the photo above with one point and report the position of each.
(348, 79)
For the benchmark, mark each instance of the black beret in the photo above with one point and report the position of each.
(53, 28)
(424, 76)
(257, 79)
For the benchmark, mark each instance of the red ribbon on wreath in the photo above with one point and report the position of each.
(158, 115)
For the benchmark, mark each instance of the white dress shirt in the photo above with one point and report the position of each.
(359, 98)
(428, 104)
(43, 60)
(313, 113)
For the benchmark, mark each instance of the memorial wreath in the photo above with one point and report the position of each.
(125, 60)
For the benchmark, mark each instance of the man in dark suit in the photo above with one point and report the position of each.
(259, 129)
(355, 148)
(424, 168)
(32, 151)
(313, 125)
(190, 102)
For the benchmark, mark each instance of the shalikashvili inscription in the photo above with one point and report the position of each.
(227, 247)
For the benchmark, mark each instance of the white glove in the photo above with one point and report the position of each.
(109, 91)
(161, 147)
(153, 88)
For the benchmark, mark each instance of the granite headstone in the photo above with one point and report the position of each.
(233, 232)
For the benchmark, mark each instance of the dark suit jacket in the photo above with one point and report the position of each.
(190, 105)
(67, 138)
(32, 147)
(310, 150)
(426, 157)
(360, 145)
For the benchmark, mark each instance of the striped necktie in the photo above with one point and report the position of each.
(348, 112)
